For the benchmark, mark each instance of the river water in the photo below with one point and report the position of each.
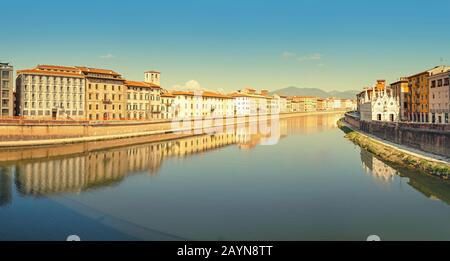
(302, 181)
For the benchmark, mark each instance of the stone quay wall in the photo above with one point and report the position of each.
(433, 138)
(11, 130)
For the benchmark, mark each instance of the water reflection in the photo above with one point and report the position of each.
(229, 185)
(6, 181)
(430, 186)
(49, 171)
(377, 168)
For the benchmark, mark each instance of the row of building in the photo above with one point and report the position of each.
(422, 97)
(78, 92)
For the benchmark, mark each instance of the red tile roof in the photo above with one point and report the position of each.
(57, 67)
(141, 84)
(49, 73)
(96, 70)
(203, 94)
(167, 94)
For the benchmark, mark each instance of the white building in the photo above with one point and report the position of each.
(282, 103)
(153, 79)
(337, 103)
(242, 103)
(248, 102)
(381, 107)
(197, 104)
(167, 100)
(50, 92)
(439, 97)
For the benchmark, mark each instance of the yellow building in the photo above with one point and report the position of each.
(138, 100)
(105, 94)
(306, 103)
(402, 92)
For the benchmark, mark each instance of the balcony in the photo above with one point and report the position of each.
(107, 101)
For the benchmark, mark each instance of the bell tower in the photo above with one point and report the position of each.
(152, 77)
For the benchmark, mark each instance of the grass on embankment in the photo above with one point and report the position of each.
(394, 156)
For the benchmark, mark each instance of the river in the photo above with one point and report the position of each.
(302, 181)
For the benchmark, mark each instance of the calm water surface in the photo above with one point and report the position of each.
(304, 181)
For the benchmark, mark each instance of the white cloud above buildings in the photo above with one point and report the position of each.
(191, 85)
(107, 56)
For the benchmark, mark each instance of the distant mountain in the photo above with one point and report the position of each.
(351, 94)
(296, 91)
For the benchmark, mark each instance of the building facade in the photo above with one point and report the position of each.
(50, 92)
(401, 91)
(440, 97)
(6, 90)
(197, 104)
(321, 104)
(382, 106)
(106, 94)
(138, 100)
(166, 105)
(420, 91)
(153, 78)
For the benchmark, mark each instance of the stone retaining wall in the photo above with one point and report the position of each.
(434, 138)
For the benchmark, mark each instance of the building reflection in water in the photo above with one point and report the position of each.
(377, 168)
(6, 181)
(51, 175)
(431, 187)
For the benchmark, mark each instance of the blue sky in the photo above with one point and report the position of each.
(228, 45)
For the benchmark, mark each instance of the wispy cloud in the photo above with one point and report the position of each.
(107, 56)
(191, 85)
(310, 57)
(287, 54)
(303, 58)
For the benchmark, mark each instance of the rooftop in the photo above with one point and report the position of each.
(37, 71)
(97, 71)
(141, 84)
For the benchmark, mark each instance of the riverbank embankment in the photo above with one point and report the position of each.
(29, 135)
(396, 154)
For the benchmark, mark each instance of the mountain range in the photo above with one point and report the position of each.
(296, 91)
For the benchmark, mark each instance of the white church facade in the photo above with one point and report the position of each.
(380, 106)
